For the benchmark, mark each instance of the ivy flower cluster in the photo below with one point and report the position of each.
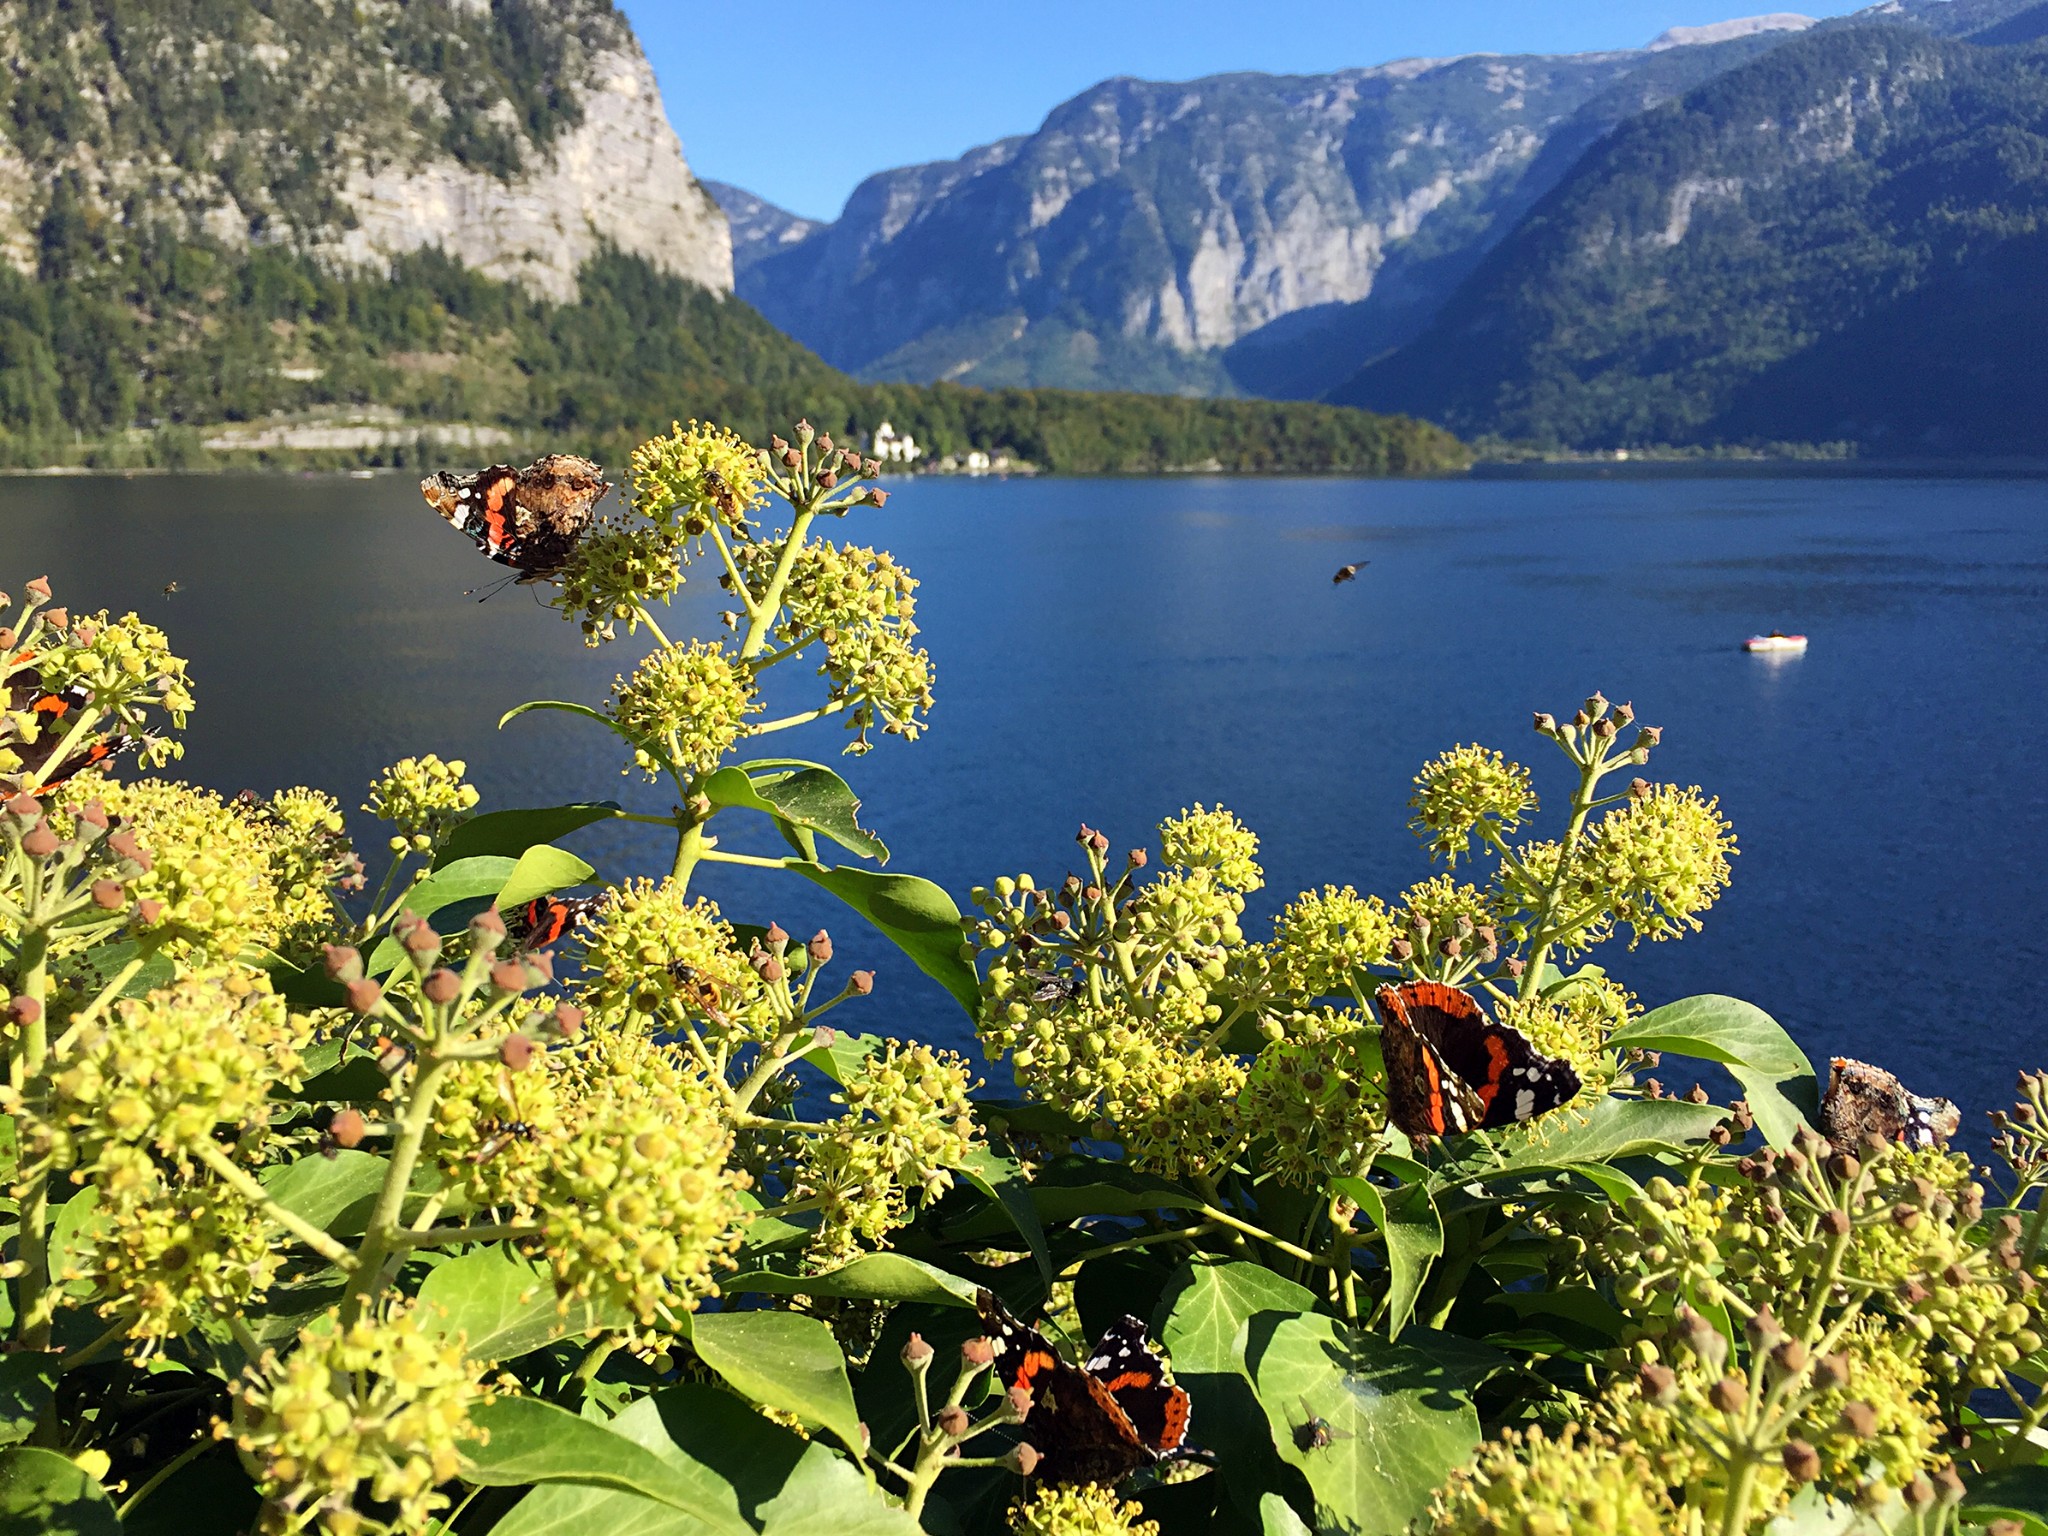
(372, 1410)
(424, 798)
(908, 1126)
(857, 604)
(683, 708)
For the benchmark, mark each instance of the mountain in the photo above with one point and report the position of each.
(1243, 232)
(1840, 241)
(759, 228)
(404, 231)
(523, 136)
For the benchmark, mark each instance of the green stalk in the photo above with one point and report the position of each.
(385, 1227)
(33, 979)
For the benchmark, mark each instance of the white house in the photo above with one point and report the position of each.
(892, 447)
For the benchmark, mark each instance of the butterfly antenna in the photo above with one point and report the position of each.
(495, 589)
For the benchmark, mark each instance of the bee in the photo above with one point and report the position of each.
(721, 493)
(501, 1131)
(170, 587)
(1054, 986)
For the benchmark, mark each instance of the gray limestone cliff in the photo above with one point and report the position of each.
(520, 136)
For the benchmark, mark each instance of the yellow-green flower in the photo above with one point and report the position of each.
(1324, 941)
(684, 707)
(908, 1125)
(1461, 789)
(652, 952)
(1078, 1509)
(176, 1069)
(1216, 841)
(424, 797)
(170, 1254)
(1661, 860)
(1573, 1485)
(375, 1409)
(696, 476)
(1314, 1094)
(639, 1202)
(614, 573)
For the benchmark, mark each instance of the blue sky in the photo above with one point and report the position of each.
(797, 100)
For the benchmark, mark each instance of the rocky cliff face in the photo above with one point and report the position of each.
(1148, 234)
(521, 136)
(759, 228)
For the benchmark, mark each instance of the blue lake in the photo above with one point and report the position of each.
(1111, 651)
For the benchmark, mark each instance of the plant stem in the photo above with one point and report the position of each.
(164, 1473)
(239, 1180)
(32, 980)
(1224, 1218)
(385, 1226)
(482, 1232)
(770, 602)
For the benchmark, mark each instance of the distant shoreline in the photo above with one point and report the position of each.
(2011, 468)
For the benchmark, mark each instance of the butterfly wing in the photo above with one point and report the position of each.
(1081, 1432)
(478, 505)
(1425, 1096)
(543, 921)
(1134, 1374)
(1508, 1078)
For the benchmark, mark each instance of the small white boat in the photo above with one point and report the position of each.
(1776, 643)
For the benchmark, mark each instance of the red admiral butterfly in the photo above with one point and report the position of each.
(1452, 1069)
(543, 922)
(529, 519)
(36, 771)
(1092, 1423)
(1863, 1100)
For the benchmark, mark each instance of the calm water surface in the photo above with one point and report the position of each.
(1111, 651)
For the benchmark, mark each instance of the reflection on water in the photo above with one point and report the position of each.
(1111, 651)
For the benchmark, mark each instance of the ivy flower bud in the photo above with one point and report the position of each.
(363, 995)
(348, 1127)
(25, 808)
(108, 895)
(509, 976)
(1659, 1384)
(1835, 1222)
(24, 1011)
(917, 1354)
(488, 928)
(820, 948)
(952, 1421)
(40, 842)
(1859, 1419)
(861, 983)
(1023, 1460)
(1728, 1394)
(568, 1020)
(1802, 1461)
(1789, 1358)
(978, 1352)
(442, 986)
(515, 1051)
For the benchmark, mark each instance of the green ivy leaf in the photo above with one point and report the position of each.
(698, 1429)
(529, 1441)
(503, 1306)
(1204, 1321)
(1005, 1181)
(508, 834)
(2012, 1493)
(1277, 1518)
(1575, 1140)
(47, 1495)
(28, 1384)
(1402, 1422)
(1414, 1234)
(333, 1193)
(1776, 1077)
(843, 1055)
(825, 1496)
(915, 915)
(781, 1360)
(808, 797)
(541, 871)
(891, 1277)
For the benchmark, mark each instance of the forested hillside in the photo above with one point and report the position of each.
(1839, 241)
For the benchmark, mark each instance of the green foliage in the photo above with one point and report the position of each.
(470, 1235)
(1837, 242)
(120, 334)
